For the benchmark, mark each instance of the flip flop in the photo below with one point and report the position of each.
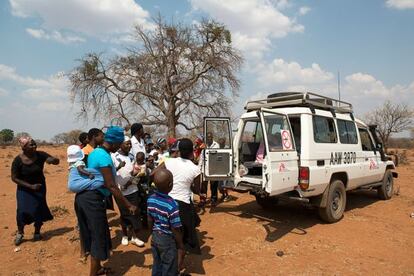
(104, 271)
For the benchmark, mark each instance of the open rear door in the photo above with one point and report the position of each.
(280, 167)
(217, 162)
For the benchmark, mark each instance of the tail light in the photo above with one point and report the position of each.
(304, 178)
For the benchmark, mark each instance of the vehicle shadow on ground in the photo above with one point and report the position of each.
(122, 261)
(287, 216)
(194, 263)
(360, 199)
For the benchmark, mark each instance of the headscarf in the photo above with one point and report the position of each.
(171, 141)
(114, 134)
(24, 140)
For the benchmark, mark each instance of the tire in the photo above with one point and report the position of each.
(336, 203)
(386, 190)
(266, 202)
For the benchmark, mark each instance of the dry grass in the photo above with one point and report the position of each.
(59, 211)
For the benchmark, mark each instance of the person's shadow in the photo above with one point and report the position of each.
(47, 235)
(122, 261)
(194, 263)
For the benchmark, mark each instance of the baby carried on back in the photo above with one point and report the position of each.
(81, 178)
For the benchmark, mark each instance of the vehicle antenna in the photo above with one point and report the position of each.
(339, 86)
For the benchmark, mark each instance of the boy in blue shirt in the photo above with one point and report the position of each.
(164, 220)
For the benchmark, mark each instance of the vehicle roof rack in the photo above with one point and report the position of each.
(300, 99)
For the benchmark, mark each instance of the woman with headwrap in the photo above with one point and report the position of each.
(90, 205)
(27, 173)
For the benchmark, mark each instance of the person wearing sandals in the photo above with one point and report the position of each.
(123, 161)
(27, 173)
(90, 205)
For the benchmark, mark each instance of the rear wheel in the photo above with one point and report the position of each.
(386, 190)
(266, 202)
(336, 202)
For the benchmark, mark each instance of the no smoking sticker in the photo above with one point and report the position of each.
(286, 140)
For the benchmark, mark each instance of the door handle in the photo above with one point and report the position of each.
(213, 152)
(366, 158)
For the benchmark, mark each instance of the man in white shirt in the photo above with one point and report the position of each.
(137, 139)
(187, 179)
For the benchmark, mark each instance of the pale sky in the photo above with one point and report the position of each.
(287, 45)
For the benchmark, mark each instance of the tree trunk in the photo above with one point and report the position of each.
(171, 120)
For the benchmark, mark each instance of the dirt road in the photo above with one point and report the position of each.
(239, 238)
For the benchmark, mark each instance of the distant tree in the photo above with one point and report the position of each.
(177, 75)
(58, 139)
(6, 135)
(390, 118)
(69, 138)
(72, 137)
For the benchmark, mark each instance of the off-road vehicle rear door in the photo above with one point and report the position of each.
(280, 168)
(217, 156)
(374, 168)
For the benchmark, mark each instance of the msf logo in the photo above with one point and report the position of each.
(373, 165)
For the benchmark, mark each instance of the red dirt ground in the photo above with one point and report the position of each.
(238, 237)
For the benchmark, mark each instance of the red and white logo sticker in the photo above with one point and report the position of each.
(282, 167)
(286, 140)
(373, 165)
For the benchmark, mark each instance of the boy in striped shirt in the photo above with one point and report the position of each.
(164, 220)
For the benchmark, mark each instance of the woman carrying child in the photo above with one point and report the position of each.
(123, 162)
(90, 205)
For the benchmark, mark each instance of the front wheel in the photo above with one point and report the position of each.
(386, 190)
(336, 202)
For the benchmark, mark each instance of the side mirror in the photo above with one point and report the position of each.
(379, 146)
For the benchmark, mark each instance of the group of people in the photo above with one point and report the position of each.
(153, 185)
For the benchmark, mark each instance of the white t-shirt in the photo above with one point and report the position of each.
(184, 172)
(137, 146)
(124, 173)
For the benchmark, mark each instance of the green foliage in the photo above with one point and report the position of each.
(6, 135)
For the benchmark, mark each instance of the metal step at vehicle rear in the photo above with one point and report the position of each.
(247, 187)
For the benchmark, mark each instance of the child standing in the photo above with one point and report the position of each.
(164, 220)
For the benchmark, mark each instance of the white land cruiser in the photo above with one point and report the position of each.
(299, 146)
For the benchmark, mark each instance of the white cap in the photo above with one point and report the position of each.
(75, 153)
(126, 139)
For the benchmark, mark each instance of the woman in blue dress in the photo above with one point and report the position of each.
(90, 205)
(27, 173)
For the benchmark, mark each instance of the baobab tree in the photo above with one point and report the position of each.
(174, 77)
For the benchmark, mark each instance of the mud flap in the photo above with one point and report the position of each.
(320, 200)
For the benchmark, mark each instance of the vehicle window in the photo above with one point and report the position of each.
(218, 134)
(366, 141)
(252, 132)
(347, 132)
(278, 132)
(324, 130)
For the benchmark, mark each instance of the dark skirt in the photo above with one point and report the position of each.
(190, 221)
(128, 219)
(90, 210)
(32, 207)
